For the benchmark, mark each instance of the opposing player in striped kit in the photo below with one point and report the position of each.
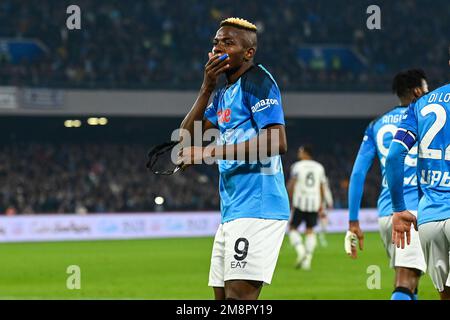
(306, 189)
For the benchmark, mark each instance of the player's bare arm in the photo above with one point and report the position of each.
(215, 66)
(271, 141)
(322, 197)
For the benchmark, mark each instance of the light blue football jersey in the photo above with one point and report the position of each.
(428, 119)
(377, 139)
(240, 111)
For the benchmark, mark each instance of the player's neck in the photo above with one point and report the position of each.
(404, 102)
(235, 75)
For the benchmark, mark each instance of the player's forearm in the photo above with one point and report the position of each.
(267, 144)
(395, 173)
(322, 193)
(356, 185)
(197, 111)
(329, 199)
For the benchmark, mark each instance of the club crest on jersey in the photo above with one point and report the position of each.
(224, 116)
(264, 104)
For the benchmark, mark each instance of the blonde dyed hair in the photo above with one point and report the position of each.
(239, 23)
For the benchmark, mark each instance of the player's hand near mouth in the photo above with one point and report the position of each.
(216, 65)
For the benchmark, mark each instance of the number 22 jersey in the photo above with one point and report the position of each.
(428, 122)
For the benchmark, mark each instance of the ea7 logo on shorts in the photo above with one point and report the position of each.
(238, 264)
(264, 104)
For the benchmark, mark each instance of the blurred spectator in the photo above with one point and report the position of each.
(157, 44)
(92, 178)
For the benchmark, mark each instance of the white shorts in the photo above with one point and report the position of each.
(409, 257)
(435, 239)
(246, 249)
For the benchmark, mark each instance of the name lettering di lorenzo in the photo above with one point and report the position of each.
(434, 97)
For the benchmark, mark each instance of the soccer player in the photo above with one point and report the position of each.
(306, 194)
(428, 123)
(409, 264)
(254, 202)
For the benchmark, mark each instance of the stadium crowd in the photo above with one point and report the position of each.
(156, 44)
(81, 178)
(94, 178)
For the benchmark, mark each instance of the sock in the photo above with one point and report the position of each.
(323, 230)
(310, 241)
(296, 242)
(401, 293)
(323, 225)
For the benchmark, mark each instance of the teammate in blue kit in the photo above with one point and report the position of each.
(409, 264)
(254, 202)
(428, 123)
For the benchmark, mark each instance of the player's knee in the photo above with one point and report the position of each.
(219, 293)
(232, 294)
(243, 291)
(240, 296)
(445, 295)
(407, 278)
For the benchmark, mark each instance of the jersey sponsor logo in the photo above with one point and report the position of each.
(224, 116)
(435, 178)
(407, 181)
(264, 104)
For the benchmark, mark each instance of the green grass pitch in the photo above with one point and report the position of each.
(178, 269)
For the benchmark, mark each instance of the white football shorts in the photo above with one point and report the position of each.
(435, 239)
(409, 257)
(246, 249)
